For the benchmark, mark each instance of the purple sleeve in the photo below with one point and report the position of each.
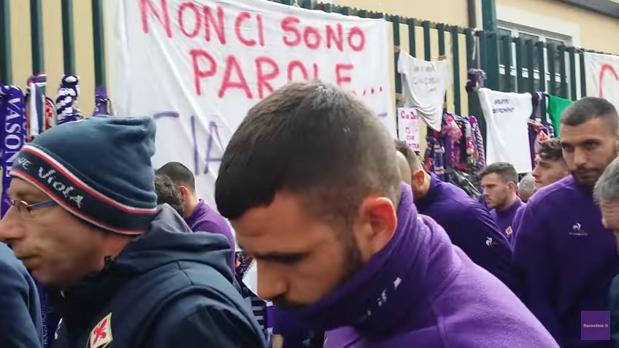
(219, 228)
(516, 224)
(534, 265)
(496, 257)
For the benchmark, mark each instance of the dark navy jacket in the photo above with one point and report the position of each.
(20, 311)
(167, 288)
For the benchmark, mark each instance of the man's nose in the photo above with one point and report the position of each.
(10, 227)
(271, 283)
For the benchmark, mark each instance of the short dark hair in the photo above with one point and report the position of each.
(589, 108)
(413, 161)
(549, 150)
(167, 192)
(607, 187)
(310, 138)
(505, 170)
(179, 174)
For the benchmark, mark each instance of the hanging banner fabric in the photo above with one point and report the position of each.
(602, 76)
(198, 66)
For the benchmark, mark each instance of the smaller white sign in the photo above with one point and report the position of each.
(408, 127)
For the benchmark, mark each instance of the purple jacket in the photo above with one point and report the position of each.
(567, 259)
(421, 291)
(471, 227)
(516, 223)
(206, 219)
(504, 219)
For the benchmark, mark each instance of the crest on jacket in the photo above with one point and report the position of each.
(101, 334)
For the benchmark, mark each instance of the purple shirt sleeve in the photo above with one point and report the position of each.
(213, 227)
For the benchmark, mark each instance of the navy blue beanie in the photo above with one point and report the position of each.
(99, 169)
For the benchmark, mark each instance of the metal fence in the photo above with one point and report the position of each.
(511, 64)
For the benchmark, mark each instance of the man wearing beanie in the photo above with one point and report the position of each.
(84, 219)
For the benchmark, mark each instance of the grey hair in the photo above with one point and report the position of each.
(527, 184)
(607, 187)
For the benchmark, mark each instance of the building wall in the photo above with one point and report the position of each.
(52, 36)
(452, 12)
(589, 29)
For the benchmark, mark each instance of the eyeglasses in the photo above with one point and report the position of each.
(25, 210)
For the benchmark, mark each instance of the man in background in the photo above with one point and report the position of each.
(549, 168)
(564, 254)
(199, 216)
(499, 182)
(549, 163)
(468, 224)
(168, 193)
(526, 187)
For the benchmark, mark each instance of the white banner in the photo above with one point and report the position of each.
(602, 76)
(424, 85)
(198, 66)
(408, 127)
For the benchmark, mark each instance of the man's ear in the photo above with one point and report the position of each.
(419, 177)
(513, 186)
(185, 192)
(377, 224)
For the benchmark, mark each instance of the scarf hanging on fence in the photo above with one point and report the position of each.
(66, 101)
(475, 80)
(12, 132)
(458, 145)
(479, 143)
(537, 132)
(103, 104)
(35, 105)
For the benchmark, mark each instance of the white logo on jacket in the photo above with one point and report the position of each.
(578, 231)
(101, 334)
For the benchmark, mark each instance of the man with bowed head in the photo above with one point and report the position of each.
(84, 219)
(468, 224)
(311, 184)
(566, 257)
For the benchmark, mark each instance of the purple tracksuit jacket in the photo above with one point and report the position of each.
(206, 219)
(421, 291)
(471, 227)
(566, 258)
(505, 218)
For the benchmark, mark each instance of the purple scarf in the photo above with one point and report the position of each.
(479, 143)
(103, 105)
(35, 107)
(12, 133)
(374, 295)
